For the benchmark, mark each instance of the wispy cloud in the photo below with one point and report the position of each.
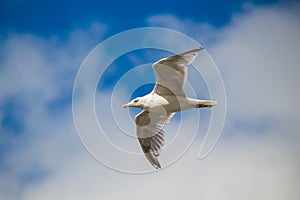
(200, 31)
(36, 81)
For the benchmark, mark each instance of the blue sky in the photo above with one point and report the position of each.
(255, 45)
(55, 17)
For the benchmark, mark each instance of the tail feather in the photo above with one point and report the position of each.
(205, 104)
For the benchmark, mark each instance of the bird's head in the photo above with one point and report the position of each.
(137, 102)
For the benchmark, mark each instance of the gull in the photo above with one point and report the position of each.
(163, 102)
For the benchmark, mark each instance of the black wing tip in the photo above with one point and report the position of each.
(197, 49)
(201, 48)
(192, 51)
(156, 165)
(153, 160)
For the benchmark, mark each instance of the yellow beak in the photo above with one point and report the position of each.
(126, 105)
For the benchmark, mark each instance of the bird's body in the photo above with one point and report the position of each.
(163, 102)
(169, 103)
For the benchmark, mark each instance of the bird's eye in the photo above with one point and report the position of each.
(135, 101)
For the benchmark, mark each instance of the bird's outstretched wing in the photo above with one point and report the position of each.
(171, 73)
(150, 134)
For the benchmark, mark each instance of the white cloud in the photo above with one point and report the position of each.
(258, 56)
(261, 51)
(35, 73)
(199, 31)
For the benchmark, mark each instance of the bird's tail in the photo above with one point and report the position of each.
(205, 103)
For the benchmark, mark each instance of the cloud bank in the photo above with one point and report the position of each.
(256, 158)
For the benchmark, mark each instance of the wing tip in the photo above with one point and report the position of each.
(153, 160)
(157, 166)
(197, 49)
(193, 52)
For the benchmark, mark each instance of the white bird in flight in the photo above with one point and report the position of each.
(163, 102)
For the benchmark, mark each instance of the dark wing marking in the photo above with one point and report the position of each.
(150, 134)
